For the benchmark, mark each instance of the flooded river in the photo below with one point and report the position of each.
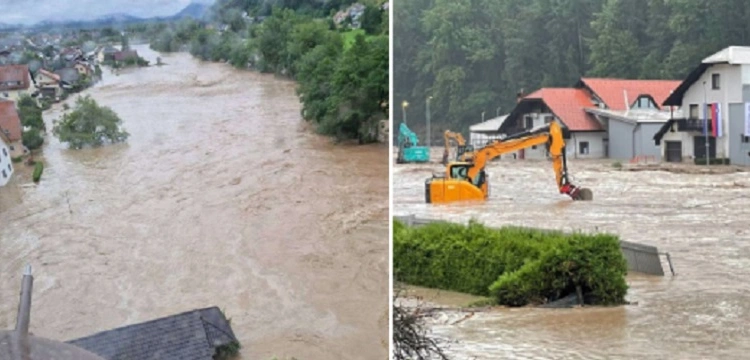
(221, 196)
(701, 220)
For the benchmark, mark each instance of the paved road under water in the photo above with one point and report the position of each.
(700, 219)
(222, 196)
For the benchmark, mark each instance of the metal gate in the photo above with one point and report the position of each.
(673, 151)
(699, 147)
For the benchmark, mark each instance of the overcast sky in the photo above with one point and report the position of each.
(33, 11)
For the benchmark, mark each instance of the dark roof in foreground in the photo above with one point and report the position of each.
(192, 335)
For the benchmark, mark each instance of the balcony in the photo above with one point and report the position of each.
(692, 125)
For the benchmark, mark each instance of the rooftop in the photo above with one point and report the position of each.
(637, 116)
(14, 77)
(613, 91)
(192, 335)
(568, 104)
(490, 125)
(734, 55)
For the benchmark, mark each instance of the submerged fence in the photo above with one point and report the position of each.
(641, 258)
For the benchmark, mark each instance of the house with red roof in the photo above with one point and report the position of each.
(588, 109)
(10, 127)
(15, 81)
(715, 96)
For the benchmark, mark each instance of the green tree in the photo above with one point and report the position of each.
(32, 139)
(371, 19)
(89, 124)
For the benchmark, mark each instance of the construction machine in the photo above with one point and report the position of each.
(467, 181)
(463, 152)
(409, 150)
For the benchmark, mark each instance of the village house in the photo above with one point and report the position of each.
(49, 84)
(716, 94)
(579, 110)
(106, 53)
(6, 162)
(15, 81)
(122, 56)
(485, 132)
(10, 127)
(68, 75)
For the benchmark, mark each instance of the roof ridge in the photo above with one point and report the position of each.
(147, 322)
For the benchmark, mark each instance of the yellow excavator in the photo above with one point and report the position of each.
(467, 181)
(463, 152)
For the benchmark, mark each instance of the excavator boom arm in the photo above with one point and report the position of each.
(551, 135)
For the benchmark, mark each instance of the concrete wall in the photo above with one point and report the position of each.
(738, 149)
(644, 140)
(6, 167)
(685, 138)
(621, 140)
(596, 145)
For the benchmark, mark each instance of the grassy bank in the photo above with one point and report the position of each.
(514, 266)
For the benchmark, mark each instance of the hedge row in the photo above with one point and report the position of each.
(515, 266)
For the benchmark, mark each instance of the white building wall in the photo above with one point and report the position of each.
(685, 138)
(6, 166)
(730, 91)
(595, 140)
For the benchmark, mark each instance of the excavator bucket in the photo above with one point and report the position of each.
(585, 194)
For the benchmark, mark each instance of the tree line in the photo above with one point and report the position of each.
(473, 56)
(341, 72)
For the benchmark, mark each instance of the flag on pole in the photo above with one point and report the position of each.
(714, 128)
(719, 127)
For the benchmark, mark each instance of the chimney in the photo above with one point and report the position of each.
(519, 96)
(24, 306)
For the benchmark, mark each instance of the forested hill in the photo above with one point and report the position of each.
(475, 55)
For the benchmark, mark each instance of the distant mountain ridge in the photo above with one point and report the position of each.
(196, 11)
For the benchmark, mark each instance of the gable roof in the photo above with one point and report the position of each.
(124, 55)
(192, 335)
(14, 77)
(10, 123)
(567, 105)
(612, 91)
(50, 74)
(733, 55)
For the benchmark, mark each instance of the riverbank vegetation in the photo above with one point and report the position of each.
(515, 266)
(89, 124)
(473, 57)
(341, 69)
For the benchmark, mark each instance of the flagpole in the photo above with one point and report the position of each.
(705, 120)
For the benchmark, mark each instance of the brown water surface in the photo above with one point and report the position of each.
(221, 196)
(701, 220)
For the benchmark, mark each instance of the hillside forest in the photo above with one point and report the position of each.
(474, 56)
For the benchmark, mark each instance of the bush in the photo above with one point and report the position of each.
(38, 169)
(32, 139)
(712, 161)
(515, 266)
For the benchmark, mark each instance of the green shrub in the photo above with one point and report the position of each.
(32, 139)
(712, 161)
(516, 266)
(38, 168)
(17, 159)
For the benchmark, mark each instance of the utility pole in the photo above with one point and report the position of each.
(482, 116)
(497, 111)
(403, 110)
(429, 135)
(705, 119)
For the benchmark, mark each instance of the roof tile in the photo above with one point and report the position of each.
(612, 91)
(568, 105)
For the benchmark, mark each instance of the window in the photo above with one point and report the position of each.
(694, 111)
(744, 138)
(5, 152)
(10, 168)
(548, 119)
(583, 147)
(5, 176)
(12, 148)
(529, 122)
(715, 79)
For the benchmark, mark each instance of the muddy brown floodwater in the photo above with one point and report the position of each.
(701, 220)
(221, 196)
